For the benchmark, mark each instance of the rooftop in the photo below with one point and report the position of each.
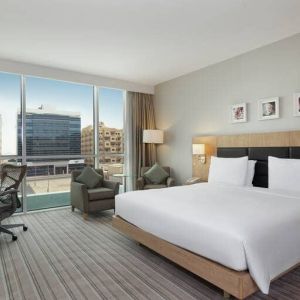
(51, 110)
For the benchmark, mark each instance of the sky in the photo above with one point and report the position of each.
(60, 95)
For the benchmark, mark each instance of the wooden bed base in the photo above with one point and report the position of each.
(237, 284)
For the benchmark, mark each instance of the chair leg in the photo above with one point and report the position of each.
(73, 208)
(85, 216)
(4, 230)
(7, 226)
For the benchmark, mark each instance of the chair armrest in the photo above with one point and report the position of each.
(79, 196)
(11, 197)
(8, 192)
(140, 183)
(113, 185)
(170, 182)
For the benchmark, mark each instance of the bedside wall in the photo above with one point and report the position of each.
(197, 104)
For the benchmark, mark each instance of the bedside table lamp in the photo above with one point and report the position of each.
(153, 136)
(199, 149)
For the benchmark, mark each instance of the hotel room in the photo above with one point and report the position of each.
(150, 149)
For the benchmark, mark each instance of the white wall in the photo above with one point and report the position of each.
(198, 103)
(60, 74)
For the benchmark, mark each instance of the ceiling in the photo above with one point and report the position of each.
(143, 41)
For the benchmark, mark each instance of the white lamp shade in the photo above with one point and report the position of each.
(199, 149)
(153, 136)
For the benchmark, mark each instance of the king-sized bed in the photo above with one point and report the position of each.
(243, 237)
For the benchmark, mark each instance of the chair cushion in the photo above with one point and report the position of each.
(154, 186)
(90, 178)
(100, 194)
(156, 175)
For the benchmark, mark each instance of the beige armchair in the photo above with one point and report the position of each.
(87, 200)
(144, 184)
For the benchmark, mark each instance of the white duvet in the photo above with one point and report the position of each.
(238, 227)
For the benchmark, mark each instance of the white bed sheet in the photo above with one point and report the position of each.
(239, 227)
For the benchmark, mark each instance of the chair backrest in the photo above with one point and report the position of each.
(145, 169)
(76, 173)
(12, 176)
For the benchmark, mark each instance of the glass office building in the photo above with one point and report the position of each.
(50, 132)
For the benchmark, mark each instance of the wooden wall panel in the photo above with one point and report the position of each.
(241, 140)
(271, 139)
(295, 138)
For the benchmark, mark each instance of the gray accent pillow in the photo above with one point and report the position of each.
(156, 174)
(90, 178)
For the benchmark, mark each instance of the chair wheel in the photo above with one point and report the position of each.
(25, 228)
(14, 237)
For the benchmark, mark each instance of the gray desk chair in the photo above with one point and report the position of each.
(11, 178)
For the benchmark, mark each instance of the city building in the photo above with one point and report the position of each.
(111, 147)
(50, 132)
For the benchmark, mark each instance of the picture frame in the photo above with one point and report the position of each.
(268, 108)
(296, 106)
(238, 113)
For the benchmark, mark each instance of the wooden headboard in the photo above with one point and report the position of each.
(212, 143)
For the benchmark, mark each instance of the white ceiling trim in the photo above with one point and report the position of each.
(71, 76)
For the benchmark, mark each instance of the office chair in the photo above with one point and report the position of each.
(11, 178)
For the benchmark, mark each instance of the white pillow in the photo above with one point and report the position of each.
(231, 171)
(284, 174)
(250, 172)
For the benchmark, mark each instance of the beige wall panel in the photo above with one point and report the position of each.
(271, 139)
(241, 140)
(295, 138)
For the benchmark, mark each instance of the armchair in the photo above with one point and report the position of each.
(102, 197)
(144, 184)
(11, 177)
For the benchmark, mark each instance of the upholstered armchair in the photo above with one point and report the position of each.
(143, 183)
(100, 197)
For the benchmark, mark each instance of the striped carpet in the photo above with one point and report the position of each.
(62, 256)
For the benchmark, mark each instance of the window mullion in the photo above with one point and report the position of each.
(96, 127)
(24, 153)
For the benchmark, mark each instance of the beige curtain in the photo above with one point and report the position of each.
(142, 117)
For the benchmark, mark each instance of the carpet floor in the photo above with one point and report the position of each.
(62, 256)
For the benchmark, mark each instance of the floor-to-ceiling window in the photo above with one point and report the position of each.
(10, 107)
(111, 134)
(49, 125)
(57, 113)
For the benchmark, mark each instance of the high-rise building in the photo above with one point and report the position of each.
(50, 132)
(111, 144)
